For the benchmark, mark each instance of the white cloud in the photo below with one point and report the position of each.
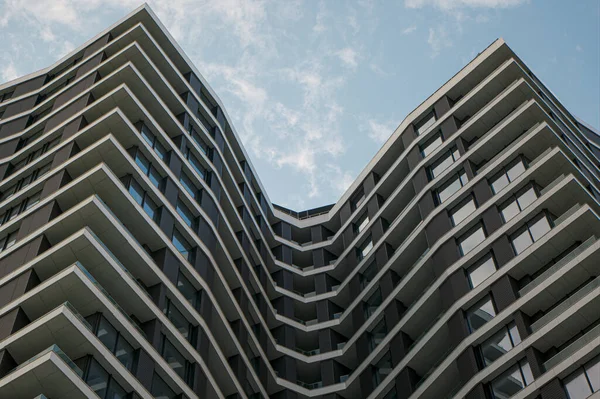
(9, 72)
(438, 40)
(454, 4)
(378, 131)
(409, 29)
(579, 48)
(348, 56)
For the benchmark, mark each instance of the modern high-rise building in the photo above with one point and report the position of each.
(140, 256)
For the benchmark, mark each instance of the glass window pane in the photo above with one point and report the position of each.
(147, 135)
(526, 370)
(539, 228)
(365, 248)
(481, 271)
(142, 162)
(593, 372)
(425, 123)
(499, 183)
(174, 358)
(115, 391)
(186, 288)
(136, 191)
(160, 389)
(34, 199)
(471, 240)
(510, 211)
(577, 386)
(521, 242)
(195, 162)
(514, 334)
(527, 198)
(187, 184)
(441, 165)
(185, 213)
(516, 170)
(107, 334)
(97, 378)
(362, 222)
(496, 346)
(160, 150)
(154, 177)
(480, 313)
(11, 239)
(463, 211)
(149, 207)
(508, 384)
(178, 320)
(431, 145)
(181, 244)
(124, 352)
(449, 189)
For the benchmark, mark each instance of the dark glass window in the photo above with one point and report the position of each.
(499, 344)
(463, 210)
(357, 200)
(188, 290)
(508, 174)
(471, 239)
(431, 144)
(178, 319)
(174, 358)
(365, 248)
(512, 381)
(585, 381)
(530, 233)
(517, 203)
(160, 389)
(443, 163)
(185, 213)
(480, 313)
(481, 270)
(186, 182)
(451, 186)
(371, 304)
(425, 123)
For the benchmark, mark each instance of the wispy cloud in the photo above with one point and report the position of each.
(454, 4)
(377, 130)
(348, 56)
(9, 72)
(409, 30)
(438, 39)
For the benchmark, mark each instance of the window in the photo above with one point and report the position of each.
(499, 344)
(425, 123)
(443, 163)
(463, 210)
(530, 233)
(481, 270)
(382, 368)
(174, 358)
(142, 198)
(181, 244)
(480, 313)
(188, 290)
(185, 213)
(186, 182)
(367, 275)
(371, 304)
(356, 200)
(361, 223)
(512, 381)
(508, 174)
(517, 203)
(24, 182)
(430, 145)
(377, 335)
(471, 239)
(585, 381)
(32, 156)
(201, 143)
(363, 249)
(16, 210)
(451, 186)
(115, 342)
(97, 378)
(148, 169)
(197, 165)
(160, 389)
(6, 96)
(8, 241)
(178, 319)
(153, 142)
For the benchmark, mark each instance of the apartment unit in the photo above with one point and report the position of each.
(140, 256)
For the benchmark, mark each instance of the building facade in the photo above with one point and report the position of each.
(140, 256)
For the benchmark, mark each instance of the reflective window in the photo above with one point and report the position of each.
(517, 203)
(196, 164)
(160, 389)
(188, 290)
(201, 143)
(480, 313)
(425, 123)
(443, 163)
(368, 274)
(185, 213)
(471, 239)
(371, 304)
(463, 210)
(480, 271)
(508, 174)
(8, 241)
(181, 244)
(174, 358)
(530, 233)
(177, 318)
(124, 352)
(142, 198)
(186, 182)
(451, 186)
(97, 378)
(512, 381)
(431, 144)
(361, 223)
(115, 342)
(153, 142)
(357, 200)
(382, 368)
(500, 343)
(365, 248)
(106, 333)
(377, 335)
(585, 381)
(148, 169)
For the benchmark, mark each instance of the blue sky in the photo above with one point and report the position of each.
(315, 87)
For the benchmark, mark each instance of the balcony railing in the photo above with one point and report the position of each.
(58, 352)
(307, 385)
